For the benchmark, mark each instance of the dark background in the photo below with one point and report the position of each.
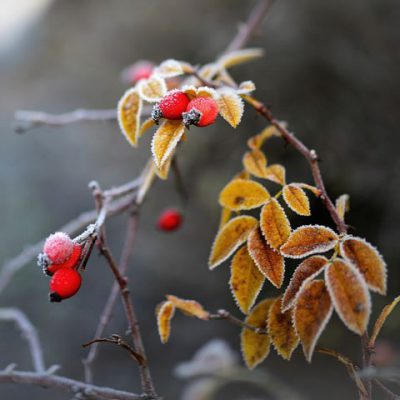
(331, 70)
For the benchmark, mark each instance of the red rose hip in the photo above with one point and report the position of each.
(171, 106)
(64, 284)
(72, 262)
(58, 247)
(201, 111)
(170, 220)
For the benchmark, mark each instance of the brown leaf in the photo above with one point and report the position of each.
(152, 89)
(129, 109)
(165, 140)
(281, 331)
(349, 294)
(255, 163)
(296, 199)
(230, 106)
(270, 263)
(381, 320)
(367, 259)
(243, 194)
(311, 314)
(189, 307)
(165, 313)
(246, 279)
(274, 224)
(255, 346)
(256, 142)
(230, 237)
(342, 205)
(305, 272)
(309, 239)
(276, 173)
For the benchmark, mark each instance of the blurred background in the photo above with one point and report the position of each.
(331, 70)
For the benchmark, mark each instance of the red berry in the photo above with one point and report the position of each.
(139, 70)
(201, 111)
(70, 263)
(58, 247)
(170, 220)
(64, 284)
(171, 106)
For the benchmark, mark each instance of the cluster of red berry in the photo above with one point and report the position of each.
(60, 259)
(200, 111)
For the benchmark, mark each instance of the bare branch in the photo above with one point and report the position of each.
(68, 385)
(227, 316)
(29, 334)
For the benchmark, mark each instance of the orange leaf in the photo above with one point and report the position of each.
(230, 106)
(342, 205)
(255, 163)
(311, 314)
(226, 214)
(129, 109)
(246, 279)
(309, 239)
(243, 194)
(270, 263)
(152, 89)
(276, 173)
(281, 331)
(255, 346)
(296, 199)
(368, 260)
(349, 294)
(311, 188)
(189, 307)
(257, 141)
(165, 140)
(230, 237)
(165, 313)
(274, 224)
(305, 272)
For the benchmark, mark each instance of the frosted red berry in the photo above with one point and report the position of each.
(171, 106)
(201, 111)
(58, 247)
(170, 220)
(72, 262)
(138, 71)
(64, 284)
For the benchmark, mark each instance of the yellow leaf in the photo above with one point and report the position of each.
(239, 57)
(281, 331)
(129, 110)
(226, 214)
(146, 125)
(305, 272)
(189, 307)
(342, 205)
(255, 163)
(311, 314)
(349, 294)
(255, 142)
(164, 315)
(169, 68)
(243, 194)
(368, 261)
(230, 106)
(381, 320)
(163, 172)
(296, 199)
(165, 140)
(270, 263)
(246, 87)
(311, 188)
(276, 173)
(274, 224)
(230, 237)
(246, 279)
(255, 346)
(152, 89)
(309, 239)
(205, 91)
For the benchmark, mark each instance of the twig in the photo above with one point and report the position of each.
(116, 339)
(68, 385)
(112, 298)
(227, 316)
(29, 334)
(389, 394)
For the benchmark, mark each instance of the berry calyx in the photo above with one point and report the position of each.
(201, 111)
(58, 247)
(72, 262)
(64, 284)
(170, 220)
(171, 106)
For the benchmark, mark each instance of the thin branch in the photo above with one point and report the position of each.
(29, 334)
(389, 394)
(67, 385)
(227, 316)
